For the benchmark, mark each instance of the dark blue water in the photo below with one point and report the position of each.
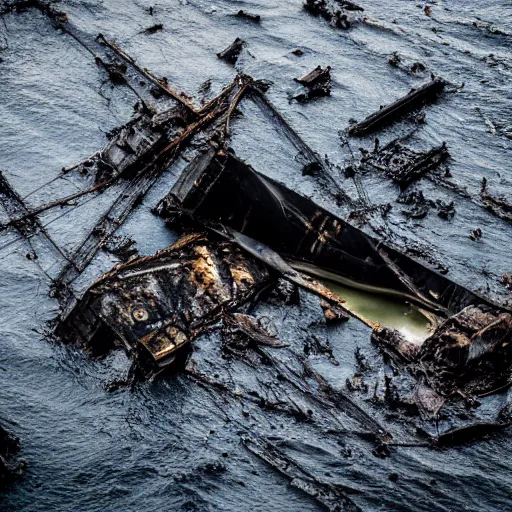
(167, 444)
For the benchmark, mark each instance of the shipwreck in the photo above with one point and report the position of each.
(246, 230)
(467, 347)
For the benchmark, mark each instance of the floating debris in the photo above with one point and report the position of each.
(154, 28)
(419, 205)
(403, 164)
(475, 234)
(232, 52)
(446, 210)
(317, 83)
(397, 61)
(499, 206)
(417, 98)
(336, 12)
(255, 18)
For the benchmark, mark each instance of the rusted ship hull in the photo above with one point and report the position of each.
(222, 190)
(468, 350)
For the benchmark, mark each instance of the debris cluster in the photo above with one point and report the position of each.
(164, 302)
(233, 51)
(468, 354)
(317, 84)
(339, 13)
(403, 164)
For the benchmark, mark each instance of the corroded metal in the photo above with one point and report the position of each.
(155, 305)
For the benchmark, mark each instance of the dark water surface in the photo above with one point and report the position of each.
(167, 444)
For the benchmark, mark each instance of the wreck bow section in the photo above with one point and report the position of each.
(153, 306)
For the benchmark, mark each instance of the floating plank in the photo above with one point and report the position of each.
(390, 113)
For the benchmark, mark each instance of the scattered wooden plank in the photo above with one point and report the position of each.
(390, 113)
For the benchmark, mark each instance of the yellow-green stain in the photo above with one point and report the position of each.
(386, 311)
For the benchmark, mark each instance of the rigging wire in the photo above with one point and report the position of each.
(20, 237)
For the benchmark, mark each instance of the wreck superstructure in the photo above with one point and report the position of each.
(156, 305)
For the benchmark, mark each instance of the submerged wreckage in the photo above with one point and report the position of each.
(242, 231)
(256, 230)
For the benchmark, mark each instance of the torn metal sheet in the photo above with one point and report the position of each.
(224, 190)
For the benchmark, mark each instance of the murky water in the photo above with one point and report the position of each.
(171, 444)
(385, 311)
